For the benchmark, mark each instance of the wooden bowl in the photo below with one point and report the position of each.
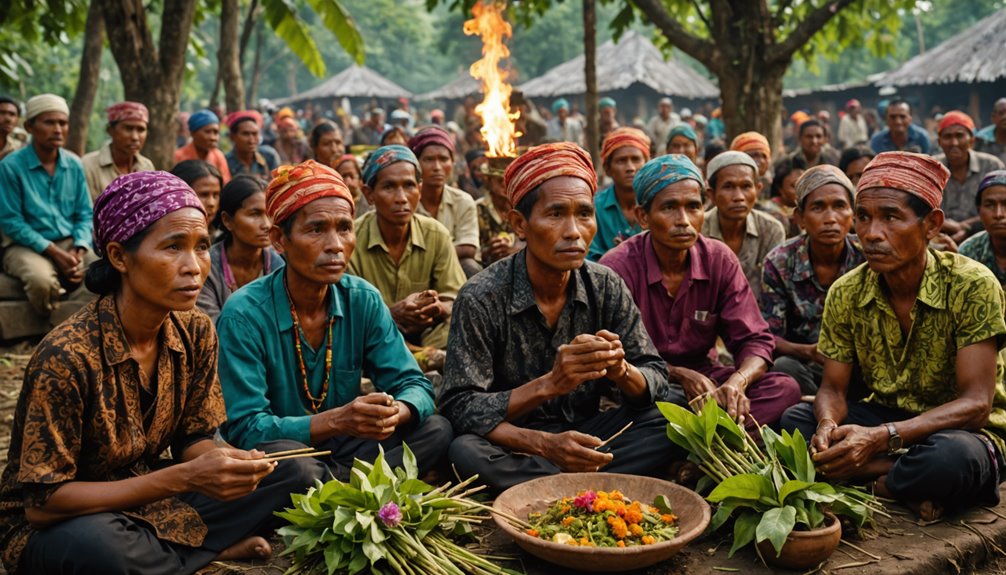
(536, 495)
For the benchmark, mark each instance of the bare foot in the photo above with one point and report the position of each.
(926, 510)
(251, 548)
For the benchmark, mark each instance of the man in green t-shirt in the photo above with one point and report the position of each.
(917, 331)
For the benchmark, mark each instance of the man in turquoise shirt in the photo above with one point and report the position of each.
(624, 152)
(45, 208)
(294, 344)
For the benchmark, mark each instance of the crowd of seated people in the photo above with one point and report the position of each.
(292, 292)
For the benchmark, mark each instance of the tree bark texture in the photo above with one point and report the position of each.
(87, 80)
(229, 55)
(591, 134)
(152, 72)
(745, 54)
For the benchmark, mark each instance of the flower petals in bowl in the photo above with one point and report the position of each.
(538, 494)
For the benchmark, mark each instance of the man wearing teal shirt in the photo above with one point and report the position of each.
(623, 153)
(45, 208)
(306, 387)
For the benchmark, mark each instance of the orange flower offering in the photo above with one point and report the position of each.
(604, 519)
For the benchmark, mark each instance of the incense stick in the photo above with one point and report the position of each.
(620, 432)
(297, 455)
(288, 452)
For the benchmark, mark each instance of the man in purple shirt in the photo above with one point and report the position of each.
(691, 290)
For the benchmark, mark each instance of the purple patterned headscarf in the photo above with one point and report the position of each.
(383, 157)
(131, 203)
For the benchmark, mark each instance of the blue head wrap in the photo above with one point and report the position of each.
(993, 178)
(385, 156)
(201, 119)
(606, 103)
(560, 103)
(661, 172)
(683, 129)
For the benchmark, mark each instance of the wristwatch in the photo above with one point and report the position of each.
(893, 440)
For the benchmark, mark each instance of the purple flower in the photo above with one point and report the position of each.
(390, 514)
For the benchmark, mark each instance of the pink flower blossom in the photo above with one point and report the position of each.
(586, 500)
(390, 514)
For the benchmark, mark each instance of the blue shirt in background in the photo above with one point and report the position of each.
(36, 208)
(917, 138)
(611, 224)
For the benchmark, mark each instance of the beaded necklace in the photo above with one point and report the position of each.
(316, 402)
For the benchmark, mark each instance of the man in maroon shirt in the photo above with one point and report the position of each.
(691, 290)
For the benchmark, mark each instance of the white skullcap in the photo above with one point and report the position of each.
(730, 158)
(45, 103)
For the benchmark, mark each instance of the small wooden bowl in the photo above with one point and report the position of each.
(536, 495)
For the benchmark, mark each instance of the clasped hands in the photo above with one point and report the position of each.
(841, 451)
(418, 311)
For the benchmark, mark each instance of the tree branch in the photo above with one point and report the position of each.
(802, 34)
(698, 10)
(701, 50)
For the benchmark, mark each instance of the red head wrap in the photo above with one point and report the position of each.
(431, 136)
(293, 187)
(622, 137)
(234, 118)
(128, 111)
(916, 174)
(956, 118)
(542, 163)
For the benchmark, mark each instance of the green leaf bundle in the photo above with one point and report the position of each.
(385, 521)
(769, 490)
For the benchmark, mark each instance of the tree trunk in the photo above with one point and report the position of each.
(246, 31)
(256, 74)
(152, 73)
(754, 104)
(743, 51)
(229, 55)
(87, 80)
(590, 75)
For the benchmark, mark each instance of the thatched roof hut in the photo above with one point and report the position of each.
(968, 65)
(353, 82)
(974, 55)
(458, 89)
(633, 60)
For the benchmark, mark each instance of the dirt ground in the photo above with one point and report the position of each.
(899, 541)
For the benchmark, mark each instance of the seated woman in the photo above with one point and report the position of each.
(205, 180)
(349, 168)
(782, 203)
(108, 392)
(243, 252)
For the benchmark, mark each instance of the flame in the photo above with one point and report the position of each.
(498, 128)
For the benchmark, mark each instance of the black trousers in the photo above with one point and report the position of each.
(953, 468)
(428, 442)
(114, 544)
(643, 449)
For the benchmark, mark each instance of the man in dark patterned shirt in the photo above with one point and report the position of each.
(538, 339)
(797, 274)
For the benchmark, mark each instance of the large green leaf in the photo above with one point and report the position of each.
(790, 487)
(337, 19)
(282, 18)
(746, 487)
(775, 526)
(744, 530)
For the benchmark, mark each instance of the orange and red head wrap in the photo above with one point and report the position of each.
(127, 112)
(621, 137)
(293, 187)
(751, 142)
(542, 163)
(916, 174)
(956, 118)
